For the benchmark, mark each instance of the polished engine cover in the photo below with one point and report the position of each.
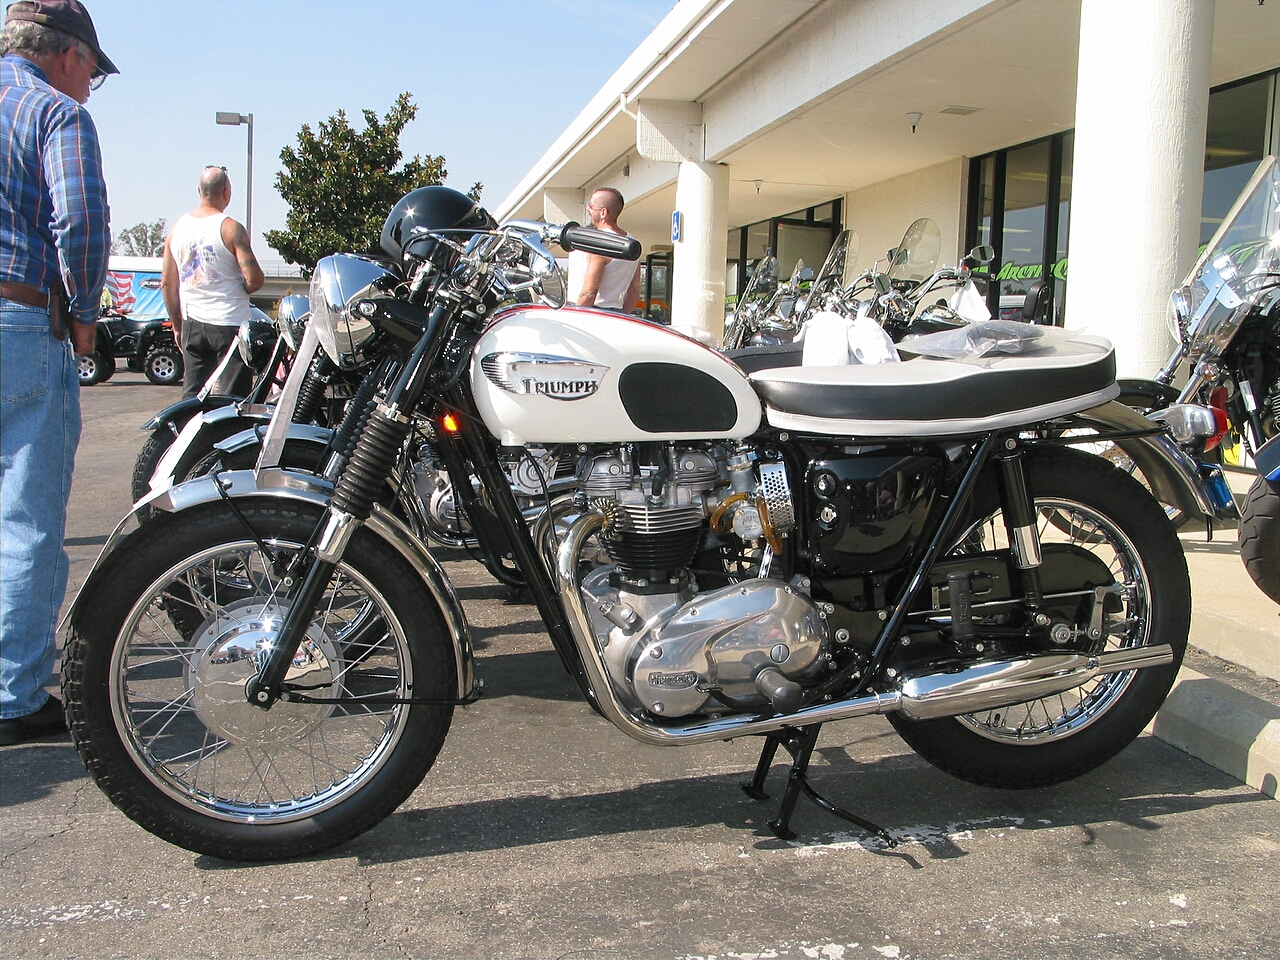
(722, 638)
(591, 376)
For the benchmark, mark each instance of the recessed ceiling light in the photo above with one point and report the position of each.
(959, 111)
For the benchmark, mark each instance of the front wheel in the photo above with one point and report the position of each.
(168, 634)
(1084, 506)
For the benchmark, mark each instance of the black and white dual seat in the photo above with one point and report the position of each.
(926, 397)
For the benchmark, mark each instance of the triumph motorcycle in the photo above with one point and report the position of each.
(269, 667)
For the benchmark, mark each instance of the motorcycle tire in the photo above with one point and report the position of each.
(1259, 536)
(164, 366)
(1108, 513)
(144, 467)
(152, 700)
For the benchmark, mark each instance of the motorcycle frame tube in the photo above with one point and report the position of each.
(307, 488)
(482, 452)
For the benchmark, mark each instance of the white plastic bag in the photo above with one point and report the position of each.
(868, 342)
(991, 336)
(826, 340)
(968, 303)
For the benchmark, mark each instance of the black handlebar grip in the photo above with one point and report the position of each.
(601, 242)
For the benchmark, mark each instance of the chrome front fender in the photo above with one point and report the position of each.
(245, 439)
(163, 476)
(307, 488)
(1174, 477)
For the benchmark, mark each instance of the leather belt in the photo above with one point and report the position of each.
(22, 293)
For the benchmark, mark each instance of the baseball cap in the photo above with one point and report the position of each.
(66, 16)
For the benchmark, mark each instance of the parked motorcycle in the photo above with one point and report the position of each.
(1259, 531)
(263, 346)
(270, 666)
(1226, 319)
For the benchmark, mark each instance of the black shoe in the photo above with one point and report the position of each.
(48, 721)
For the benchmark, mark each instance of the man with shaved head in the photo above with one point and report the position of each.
(606, 283)
(209, 271)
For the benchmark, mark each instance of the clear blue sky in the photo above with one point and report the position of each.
(495, 81)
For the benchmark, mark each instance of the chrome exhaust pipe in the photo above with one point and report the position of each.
(1001, 683)
(920, 696)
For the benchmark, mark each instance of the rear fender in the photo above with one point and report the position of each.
(1267, 459)
(277, 484)
(1174, 477)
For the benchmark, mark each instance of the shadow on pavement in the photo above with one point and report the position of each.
(1119, 805)
(31, 771)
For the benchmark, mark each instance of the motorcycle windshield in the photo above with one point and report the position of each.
(916, 257)
(1239, 267)
(840, 262)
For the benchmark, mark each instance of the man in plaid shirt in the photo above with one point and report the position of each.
(54, 240)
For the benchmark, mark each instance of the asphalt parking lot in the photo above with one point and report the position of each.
(542, 832)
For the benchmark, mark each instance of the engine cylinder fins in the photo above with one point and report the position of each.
(644, 556)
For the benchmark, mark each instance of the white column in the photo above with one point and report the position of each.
(697, 273)
(1142, 98)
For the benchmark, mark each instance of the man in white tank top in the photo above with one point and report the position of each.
(596, 281)
(209, 272)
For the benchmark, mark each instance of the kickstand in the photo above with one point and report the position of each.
(799, 742)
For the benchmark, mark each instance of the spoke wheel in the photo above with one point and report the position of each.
(1095, 519)
(155, 684)
(1124, 624)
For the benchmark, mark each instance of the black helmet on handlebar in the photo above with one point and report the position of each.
(425, 210)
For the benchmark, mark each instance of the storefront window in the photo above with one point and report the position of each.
(1235, 142)
(1019, 202)
(802, 235)
(1020, 198)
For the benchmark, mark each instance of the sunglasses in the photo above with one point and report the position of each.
(99, 75)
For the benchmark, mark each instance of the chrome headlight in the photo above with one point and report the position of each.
(291, 318)
(337, 281)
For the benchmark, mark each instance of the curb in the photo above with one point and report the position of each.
(1227, 728)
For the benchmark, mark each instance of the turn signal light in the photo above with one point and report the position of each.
(450, 424)
(1218, 404)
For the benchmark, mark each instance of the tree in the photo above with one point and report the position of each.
(341, 183)
(140, 240)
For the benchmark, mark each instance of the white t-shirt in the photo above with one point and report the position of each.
(211, 286)
(613, 285)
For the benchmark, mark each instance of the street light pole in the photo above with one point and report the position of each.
(232, 119)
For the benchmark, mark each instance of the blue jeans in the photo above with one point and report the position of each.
(39, 430)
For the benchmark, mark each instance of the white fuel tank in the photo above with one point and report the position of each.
(576, 375)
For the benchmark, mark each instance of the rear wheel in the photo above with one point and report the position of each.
(154, 680)
(1084, 504)
(1259, 536)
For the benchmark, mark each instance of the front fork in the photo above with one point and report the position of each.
(363, 476)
